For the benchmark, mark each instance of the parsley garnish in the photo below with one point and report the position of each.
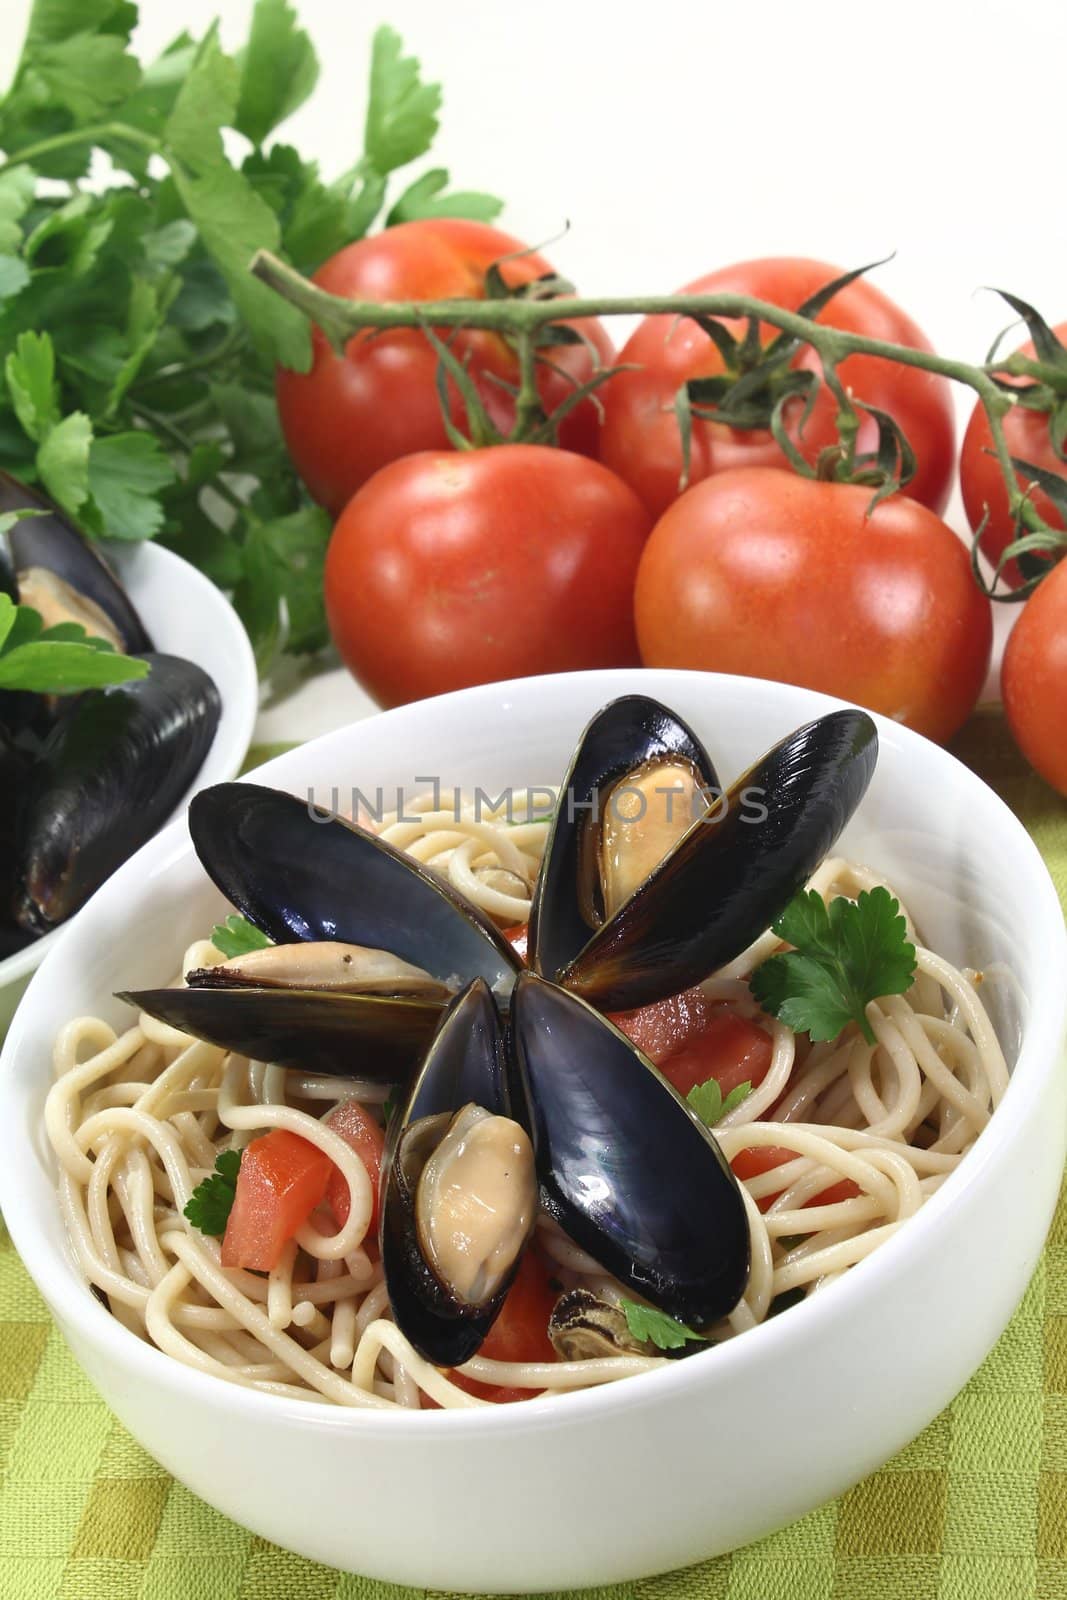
(237, 937)
(209, 1204)
(136, 349)
(656, 1327)
(846, 955)
(60, 660)
(707, 1101)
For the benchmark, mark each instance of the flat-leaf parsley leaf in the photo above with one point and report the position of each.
(845, 955)
(656, 1327)
(208, 1207)
(237, 937)
(707, 1100)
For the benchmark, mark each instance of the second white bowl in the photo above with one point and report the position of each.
(185, 616)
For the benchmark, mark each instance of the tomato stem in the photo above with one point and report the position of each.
(520, 320)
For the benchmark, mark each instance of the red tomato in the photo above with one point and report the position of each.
(363, 1135)
(731, 1050)
(982, 482)
(1033, 679)
(282, 1178)
(764, 1158)
(692, 1038)
(668, 1024)
(640, 439)
(519, 940)
(354, 413)
(520, 1332)
(775, 576)
(448, 570)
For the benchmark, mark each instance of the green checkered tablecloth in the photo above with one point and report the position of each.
(974, 1509)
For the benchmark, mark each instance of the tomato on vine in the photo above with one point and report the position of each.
(1034, 679)
(463, 567)
(771, 575)
(356, 412)
(641, 440)
(1030, 431)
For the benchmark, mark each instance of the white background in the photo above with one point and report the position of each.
(678, 136)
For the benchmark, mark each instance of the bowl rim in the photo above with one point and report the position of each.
(1040, 1057)
(242, 698)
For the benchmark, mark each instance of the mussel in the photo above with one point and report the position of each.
(460, 1195)
(322, 889)
(719, 885)
(626, 1168)
(583, 1326)
(14, 769)
(526, 1085)
(109, 774)
(320, 1006)
(61, 575)
(633, 745)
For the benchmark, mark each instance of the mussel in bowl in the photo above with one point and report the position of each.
(98, 769)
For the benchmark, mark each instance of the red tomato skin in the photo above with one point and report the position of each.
(520, 1332)
(769, 575)
(1033, 679)
(362, 1133)
(519, 940)
(282, 1178)
(732, 1050)
(453, 569)
(982, 483)
(691, 1038)
(352, 414)
(764, 1158)
(640, 439)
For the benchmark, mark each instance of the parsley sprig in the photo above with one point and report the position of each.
(845, 955)
(657, 1328)
(707, 1100)
(136, 385)
(237, 937)
(208, 1207)
(60, 660)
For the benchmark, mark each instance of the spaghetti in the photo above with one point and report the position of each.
(838, 1145)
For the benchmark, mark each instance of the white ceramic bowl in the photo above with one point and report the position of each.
(693, 1459)
(185, 616)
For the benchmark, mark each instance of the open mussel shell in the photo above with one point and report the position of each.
(626, 1169)
(734, 871)
(109, 775)
(460, 1196)
(378, 1037)
(630, 735)
(52, 545)
(584, 1327)
(299, 873)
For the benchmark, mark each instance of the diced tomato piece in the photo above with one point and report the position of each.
(731, 1049)
(281, 1180)
(764, 1158)
(520, 1332)
(662, 1028)
(357, 1127)
(519, 939)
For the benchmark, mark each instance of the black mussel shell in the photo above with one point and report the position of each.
(14, 770)
(620, 738)
(465, 1065)
(54, 542)
(297, 872)
(379, 1037)
(626, 1168)
(109, 775)
(732, 874)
